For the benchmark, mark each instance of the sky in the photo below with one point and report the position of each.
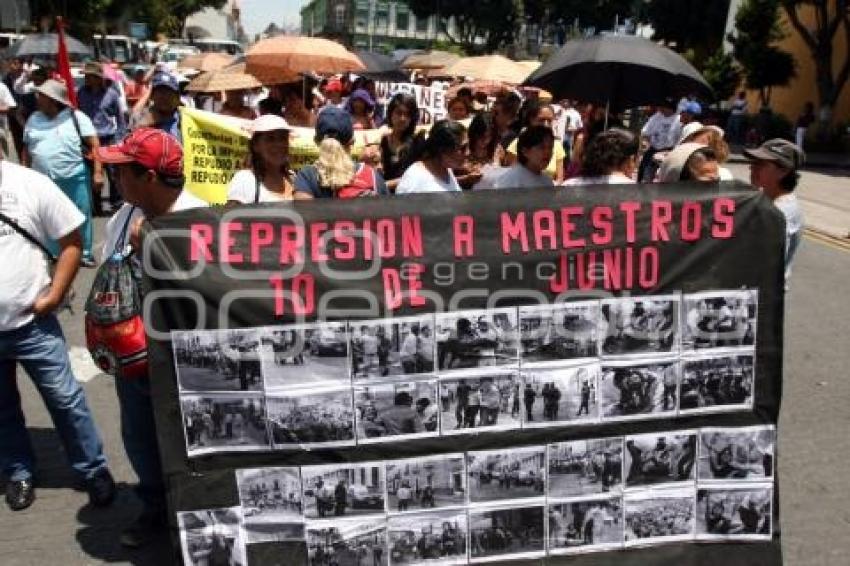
(258, 14)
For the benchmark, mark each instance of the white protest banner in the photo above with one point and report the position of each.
(430, 100)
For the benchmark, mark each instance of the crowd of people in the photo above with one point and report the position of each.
(225, 422)
(127, 135)
(312, 423)
(666, 517)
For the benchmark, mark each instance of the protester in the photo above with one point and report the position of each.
(30, 335)
(8, 104)
(296, 111)
(333, 92)
(397, 146)
(445, 149)
(459, 108)
(774, 169)
(689, 162)
(737, 118)
(163, 113)
(103, 104)
(58, 140)
(269, 178)
(568, 124)
(660, 133)
(690, 112)
(535, 113)
(15, 77)
(534, 147)
(361, 105)
(25, 89)
(234, 105)
(712, 136)
(137, 87)
(485, 153)
(505, 113)
(335, 174)
(806, 119)
(610, 159)
(149, 168)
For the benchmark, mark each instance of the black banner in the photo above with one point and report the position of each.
(530, 375)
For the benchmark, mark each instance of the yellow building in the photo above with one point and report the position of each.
(803, 88)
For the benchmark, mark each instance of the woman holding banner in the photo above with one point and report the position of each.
(269, 178)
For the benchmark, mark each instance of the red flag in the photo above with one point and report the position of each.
(63, 63)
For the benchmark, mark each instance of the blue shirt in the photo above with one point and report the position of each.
(171, 126)
(104, 109)
(54, 144)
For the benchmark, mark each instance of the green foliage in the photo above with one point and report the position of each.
(722, 73)
(757, 28)
(692, 25)
(493, 21)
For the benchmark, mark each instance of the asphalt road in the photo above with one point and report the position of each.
(60, 529)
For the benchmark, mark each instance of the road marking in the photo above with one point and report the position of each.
(82, 365)
(842, 244)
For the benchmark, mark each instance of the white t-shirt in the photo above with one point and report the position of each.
(790, 207)
(115, 225)
(518, 177)
(613, 179)
(417, 179)
(7, 100)
(663, 131)
(43, 210)
(243, 188)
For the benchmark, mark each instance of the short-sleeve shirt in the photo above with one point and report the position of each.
(55, 145)
(417, 179)
(7, 100)
(308, 181)
(663, 131)
(558, 155)
(42, 209)
(243, 188)
(518, 177)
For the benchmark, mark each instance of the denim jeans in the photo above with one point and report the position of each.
(138, 430)
(41, 349)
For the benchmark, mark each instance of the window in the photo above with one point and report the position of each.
(339, 13)
(402, 19)
(362, 20)
(421, 24)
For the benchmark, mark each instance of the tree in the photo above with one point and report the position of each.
(598, 14)
(486, 25)
(757, 29)
(722, 73)
(692, 25)
(819, 37)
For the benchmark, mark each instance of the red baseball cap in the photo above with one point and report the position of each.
(149, 147)
(334, 85)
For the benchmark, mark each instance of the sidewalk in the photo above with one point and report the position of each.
(813, 160)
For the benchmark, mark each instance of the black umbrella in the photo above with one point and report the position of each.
(47, 45)
(623, 71)
(381, 67)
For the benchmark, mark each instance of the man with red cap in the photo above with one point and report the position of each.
(333, 92)
(149, 168)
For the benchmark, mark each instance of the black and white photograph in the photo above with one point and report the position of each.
(312, 418)
(433, 482)
(490, 401)
(506, 533)
(395, 410)
(639, 390)
(343, 490)
(551, 334)
(307, 355)
(212, 536)
(271, 503)
(348, 542)
(719, 319)
(224, 422)
(382, 349)
(583, 526)
(659, 515)
(640, 325)
(217, 360)
(717, 383)
(737, 454)
(476, 339)
(585, 467)
(560, 395)
(438, 537)
(660, 458)
(734, 512)
(515, 473)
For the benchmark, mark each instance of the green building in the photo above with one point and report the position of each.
(375, 25)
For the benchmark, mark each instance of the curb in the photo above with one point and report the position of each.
(827, 238)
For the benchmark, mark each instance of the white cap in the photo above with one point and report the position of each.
(268, 123)
(694, 127)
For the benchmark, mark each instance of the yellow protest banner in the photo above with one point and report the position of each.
(215, 147)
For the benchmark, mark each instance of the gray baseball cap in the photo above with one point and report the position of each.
(782, 152)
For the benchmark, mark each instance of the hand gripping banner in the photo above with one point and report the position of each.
(571, 376)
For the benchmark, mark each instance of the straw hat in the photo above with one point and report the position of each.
(55, 90)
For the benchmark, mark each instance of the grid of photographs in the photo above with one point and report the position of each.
(335, 384)
(708, 484)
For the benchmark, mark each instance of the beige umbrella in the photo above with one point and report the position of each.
(217, 81)
(284, 58)
(206, 61)
(430, 60)
(489, 67)
(530, 65)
